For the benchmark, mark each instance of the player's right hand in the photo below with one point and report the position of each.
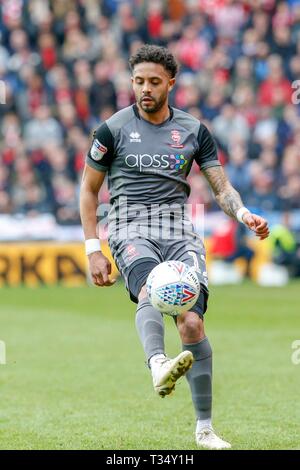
(100, 268)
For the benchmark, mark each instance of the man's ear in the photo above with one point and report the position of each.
(131, 78)
(172, 82)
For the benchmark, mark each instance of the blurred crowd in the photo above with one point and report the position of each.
(65, 68)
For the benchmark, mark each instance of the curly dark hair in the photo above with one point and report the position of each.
(158, 55)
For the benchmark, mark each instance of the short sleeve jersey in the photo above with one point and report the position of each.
(149, 163)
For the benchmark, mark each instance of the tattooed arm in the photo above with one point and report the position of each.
(226, 196)
(230, 201)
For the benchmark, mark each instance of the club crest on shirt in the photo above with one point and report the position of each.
(98, 150)
(176, 137)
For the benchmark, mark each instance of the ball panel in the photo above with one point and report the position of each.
(173, 287)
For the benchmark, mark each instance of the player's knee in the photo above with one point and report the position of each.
(143, 293)
(190, 327)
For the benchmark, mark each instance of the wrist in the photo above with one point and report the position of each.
(240, 214)
(92, 245)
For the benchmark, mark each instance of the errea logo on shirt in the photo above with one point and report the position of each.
(135, 137)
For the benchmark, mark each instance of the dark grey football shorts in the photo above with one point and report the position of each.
(135, 259)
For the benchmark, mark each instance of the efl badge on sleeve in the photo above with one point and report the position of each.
(98, 150)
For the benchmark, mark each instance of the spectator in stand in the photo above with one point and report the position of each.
(192, 50)
(238, 167)
(230, 124)
(263, 196)
(276, 90)
(102, 91)
(43, 128)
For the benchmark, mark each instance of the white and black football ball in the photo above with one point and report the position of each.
(173, 287)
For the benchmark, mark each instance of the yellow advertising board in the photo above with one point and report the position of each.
(39, 263)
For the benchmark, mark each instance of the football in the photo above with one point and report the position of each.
(173, 287)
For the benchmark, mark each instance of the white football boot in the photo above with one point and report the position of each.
(207, 439)
(165, 371)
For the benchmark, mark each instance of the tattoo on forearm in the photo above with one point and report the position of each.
(226, 196)
(230, 201)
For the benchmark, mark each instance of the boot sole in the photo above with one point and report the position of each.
(184, 363)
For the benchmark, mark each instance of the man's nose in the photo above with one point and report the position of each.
(146, 88)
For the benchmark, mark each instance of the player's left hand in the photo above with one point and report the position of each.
(257, 224)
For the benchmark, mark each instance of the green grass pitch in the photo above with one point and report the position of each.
(75, 376)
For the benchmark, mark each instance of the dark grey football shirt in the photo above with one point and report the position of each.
(149, 163)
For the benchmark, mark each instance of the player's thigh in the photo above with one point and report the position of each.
(135, 259)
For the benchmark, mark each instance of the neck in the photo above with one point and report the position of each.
(155, 118)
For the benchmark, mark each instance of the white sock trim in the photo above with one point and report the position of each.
(203, 424)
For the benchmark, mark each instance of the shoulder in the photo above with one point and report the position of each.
(120, 119)
(186, 120)
(111, 127)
